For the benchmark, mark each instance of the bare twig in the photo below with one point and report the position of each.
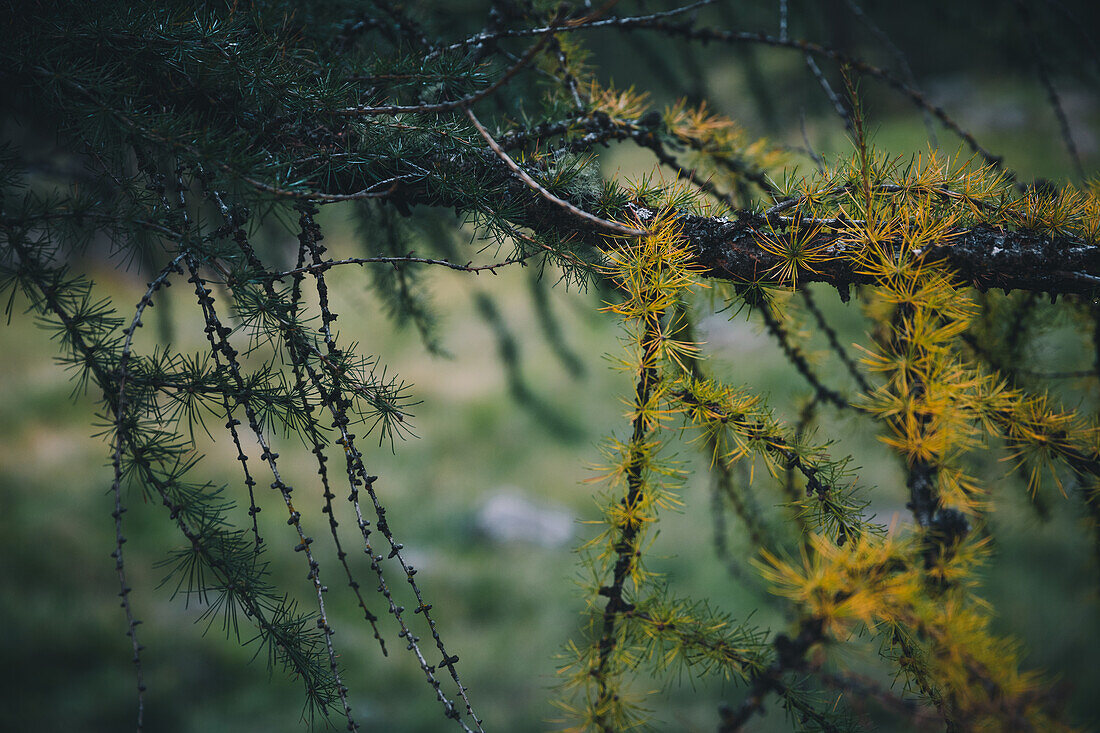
(1042, 70)
(899, 56)
(463, 103)
(116, 484)
(838, 105)
(535, 185)
(591, 22)
(396, 261)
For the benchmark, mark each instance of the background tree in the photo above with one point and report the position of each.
(189, 142)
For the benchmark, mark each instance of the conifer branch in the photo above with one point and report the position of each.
(283, 632)
(269, 115)
(658, 22)
(217, 335)
(754, 430)
(397, 261)
(815, 49)
(590, 21)
(561, 203)
(983, 255)
(789, 656)
(651, 142)
(806, 417)
(121, 376)
(337, 403)
(724, 486)
(157, 182)
(647, 132)
(626, 535)
(317, 446)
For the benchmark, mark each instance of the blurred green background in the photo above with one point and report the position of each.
(483, 461)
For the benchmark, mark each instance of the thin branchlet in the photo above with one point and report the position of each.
(331, 392)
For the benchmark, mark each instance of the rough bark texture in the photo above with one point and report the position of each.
(982, 256)
(727, 248)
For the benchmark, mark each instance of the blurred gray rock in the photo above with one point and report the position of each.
(509, 516)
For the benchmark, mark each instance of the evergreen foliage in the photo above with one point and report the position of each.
(184, 131)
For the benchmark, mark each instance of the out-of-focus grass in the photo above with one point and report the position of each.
(505, 609)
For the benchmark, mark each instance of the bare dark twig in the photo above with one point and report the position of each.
(122, 374)
(834, 342)
(1042, 70)
(798, 359)
(458, 104)
(899, 56)
(834, 99)
(398, 261)
(536, 186)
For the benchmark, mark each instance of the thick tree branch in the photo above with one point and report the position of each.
(982, 256)
(728, 248)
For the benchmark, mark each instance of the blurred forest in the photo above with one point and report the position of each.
(489, 492)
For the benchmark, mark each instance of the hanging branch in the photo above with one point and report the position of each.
(318, 450)
(834, 99)
(159, 467)
(899, 57)
(337, 404)
(217, 335)
(121, 376)
(834, 341)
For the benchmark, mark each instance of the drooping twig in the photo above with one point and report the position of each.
(122, 375)
(217, 335)
(899, 56)
(336, 402)
(318, 450)
(834, 342)
(1042, 70)
(834, 99)
(798, 359)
